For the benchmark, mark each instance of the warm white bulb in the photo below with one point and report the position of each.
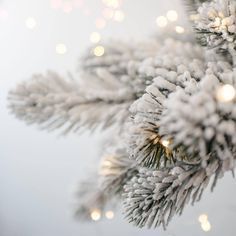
(109, 215)
(226, 93)
(95, 37)
(172, 15)
(161, 21)
(30, 23)
(206, 226)
(165, 143)
(96, 215)
(61, 48)
(179, 29)
(99, 51)
(203, 218)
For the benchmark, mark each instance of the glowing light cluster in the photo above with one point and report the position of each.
(205, 224)
(226, 93)
(171, 16)
(96, 215)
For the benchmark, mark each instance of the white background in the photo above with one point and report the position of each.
(38, 169)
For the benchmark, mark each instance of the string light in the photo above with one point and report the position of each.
(109, 215)
(30, 23)
(203, 218)
(179, 29)
(61, 48)
(99, 51)
(172, 15)
(161, 21)
(100, 23)
(165, 143)
(206, 226)
(95, 37)
(95, 215)
(226, 93)
(119, 16)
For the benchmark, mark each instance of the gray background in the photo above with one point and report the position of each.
(38, 169)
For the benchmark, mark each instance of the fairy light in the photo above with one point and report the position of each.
(109, 215)
(95, 37)
(95, 215)
(61, 48)
(226, 93)
(119, 16)
(165, 143)
(172, 15)
(203, 218)
(100, 23)
(30, 23)
(179, 29)
(206, 226)
(161, 21)
(99, 51)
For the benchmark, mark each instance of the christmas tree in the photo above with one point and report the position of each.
(170, 102)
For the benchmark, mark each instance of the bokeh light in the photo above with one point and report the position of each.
(95, 215)
(30, 23)
(61, 48)
(95, 37)
(161, 21)
(226, 93)
(109, 215)
(99, 51)
(179, 29)
(172, 15)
